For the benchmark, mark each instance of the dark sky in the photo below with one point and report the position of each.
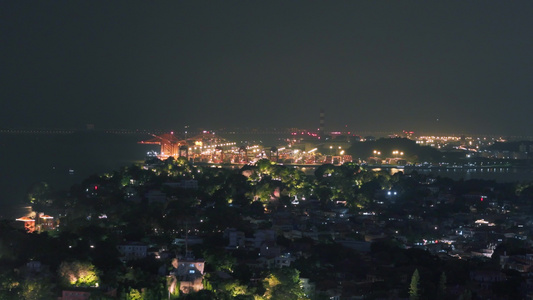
(441, 66)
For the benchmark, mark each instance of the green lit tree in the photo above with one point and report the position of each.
(9, 285)
(182, 162)
(283, 284)
(36, 289)
(79, 274)
(264, 191)
(414, 287)
(134, 294)
(207, 284)
(265, 166)
(173, 286)
(219, 260)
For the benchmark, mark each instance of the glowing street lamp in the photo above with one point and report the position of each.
(397, 153)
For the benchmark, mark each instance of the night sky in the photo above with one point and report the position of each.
(427, 66)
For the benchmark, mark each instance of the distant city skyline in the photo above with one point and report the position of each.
(375, 66)
(257, 130)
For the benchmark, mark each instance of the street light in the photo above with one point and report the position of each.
(396, 153)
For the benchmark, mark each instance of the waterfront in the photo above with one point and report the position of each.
(66, 159)
(60, 160)
(501, 175)
(508, 174)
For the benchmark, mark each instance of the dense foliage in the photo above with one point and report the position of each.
(103, 211)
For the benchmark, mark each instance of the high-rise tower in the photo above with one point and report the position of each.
(321, 128)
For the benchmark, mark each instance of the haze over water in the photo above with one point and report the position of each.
(26, 159)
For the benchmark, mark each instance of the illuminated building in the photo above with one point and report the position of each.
(46, 222)
(170, 144)
(205, 147)
(188, 273)
(29, 224)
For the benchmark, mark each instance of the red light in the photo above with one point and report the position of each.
(95, 187)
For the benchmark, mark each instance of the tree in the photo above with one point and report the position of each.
(361, 201)
(233, 288)
(219, 260)
(283, 284)
(134, 294)
(265, 166)
(182, 162)
(36, 289)
(79, 274)
(40, 196)
(173, 286)
(9, 284)
(414, 292)
(264, 191)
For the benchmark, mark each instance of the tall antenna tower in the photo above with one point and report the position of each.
(321, 128)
